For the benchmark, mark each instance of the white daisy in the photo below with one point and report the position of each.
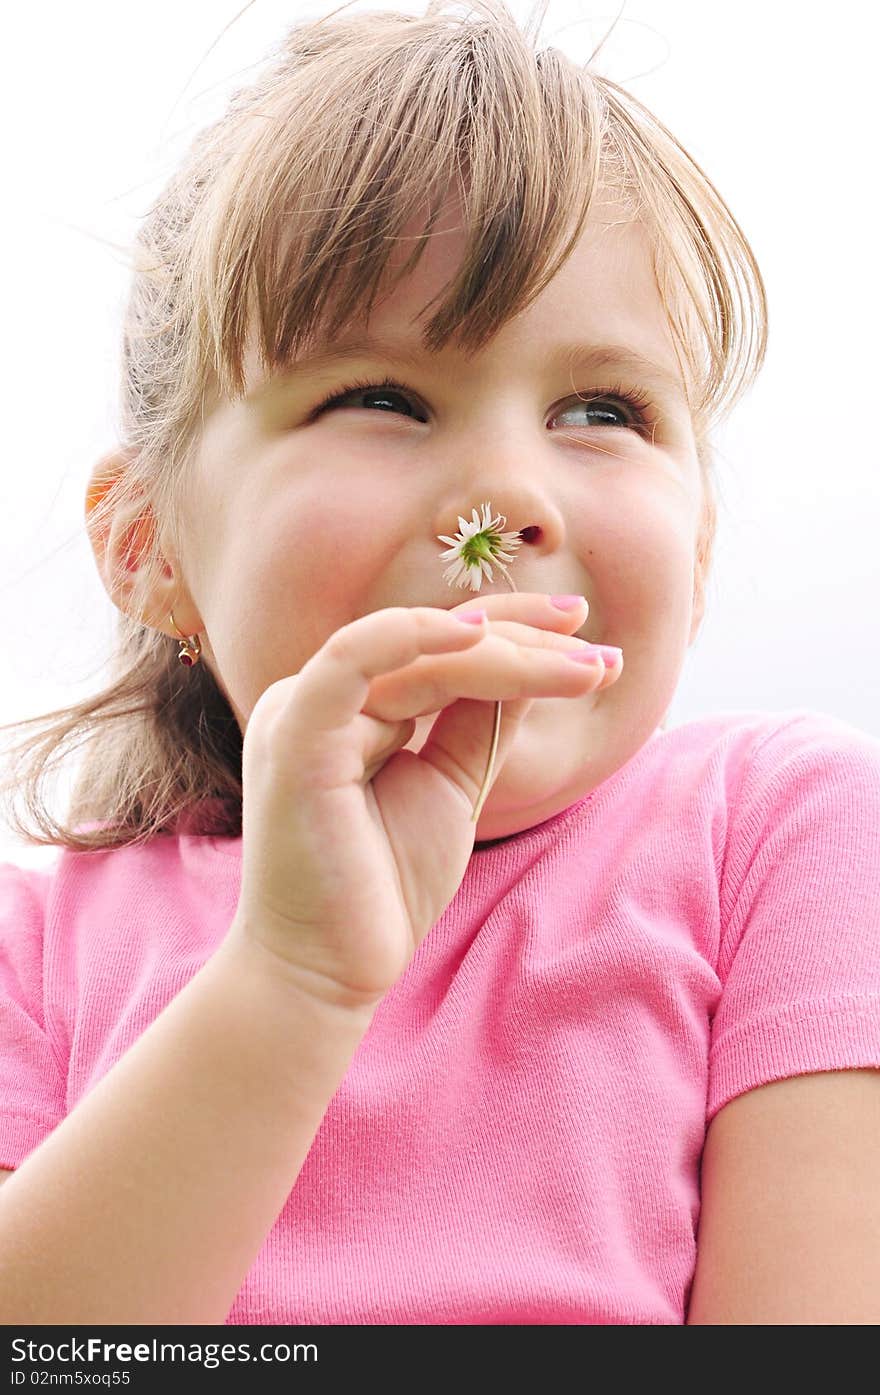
(478, 544)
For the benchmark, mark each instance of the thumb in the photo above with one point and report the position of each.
(460, 740)
(387, 739)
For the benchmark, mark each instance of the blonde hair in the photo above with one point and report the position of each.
(280, 222)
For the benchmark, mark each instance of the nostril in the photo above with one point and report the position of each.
(531, 534)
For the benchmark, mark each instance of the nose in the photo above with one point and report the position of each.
(532, 534)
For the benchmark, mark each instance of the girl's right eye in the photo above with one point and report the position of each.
(382, 389)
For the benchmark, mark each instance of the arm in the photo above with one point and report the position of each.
(151, 1200)
(790, 1221)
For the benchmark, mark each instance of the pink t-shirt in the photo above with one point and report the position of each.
(518, 1137)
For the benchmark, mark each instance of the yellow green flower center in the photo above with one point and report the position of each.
(481, 547)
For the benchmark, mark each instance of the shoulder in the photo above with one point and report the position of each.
(746, 771)
(23, 897)
(751, 742)
(803, 822)
(790, 1210)
(29, 885)
(796, 746)
(742, 758)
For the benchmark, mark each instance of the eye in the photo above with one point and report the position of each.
(615, 406)
(385, 391)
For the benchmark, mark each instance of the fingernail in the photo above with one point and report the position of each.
(472, 617)
(567, 602)
(610, 653)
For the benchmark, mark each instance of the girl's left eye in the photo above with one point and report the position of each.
(633, 407)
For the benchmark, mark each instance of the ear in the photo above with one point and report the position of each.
(120, 540)
(702, 562)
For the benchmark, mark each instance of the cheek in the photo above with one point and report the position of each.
(312, 559)
(639, 556)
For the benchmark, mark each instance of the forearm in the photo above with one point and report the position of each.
(150, 1202)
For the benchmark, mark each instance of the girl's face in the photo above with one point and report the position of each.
(303, 521)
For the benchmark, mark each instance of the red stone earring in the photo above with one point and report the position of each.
(190, 649)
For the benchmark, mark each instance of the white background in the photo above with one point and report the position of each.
(777, 102)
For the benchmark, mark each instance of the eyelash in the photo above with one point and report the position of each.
(638, 403)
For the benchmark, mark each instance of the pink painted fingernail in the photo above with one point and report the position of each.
(567, 602)
(472, 617)
(610, 654)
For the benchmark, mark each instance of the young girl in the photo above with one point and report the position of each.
(287, 1036)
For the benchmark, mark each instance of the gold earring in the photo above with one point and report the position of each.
(190, 650)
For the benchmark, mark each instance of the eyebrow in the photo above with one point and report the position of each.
(579, 357)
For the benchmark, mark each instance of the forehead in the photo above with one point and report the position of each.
(614, 243)
(605, 292)
(612, 232)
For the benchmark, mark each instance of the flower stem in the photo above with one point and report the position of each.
(496, 733)
(484, 792)
(473, 548)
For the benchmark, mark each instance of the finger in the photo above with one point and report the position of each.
(531, 618)
(528, 608)
(510, 612)
(330, 689)
(497, 670)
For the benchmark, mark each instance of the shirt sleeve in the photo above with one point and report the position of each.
(799, 960)
(32, 1082)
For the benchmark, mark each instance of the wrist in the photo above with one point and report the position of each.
(245, 953)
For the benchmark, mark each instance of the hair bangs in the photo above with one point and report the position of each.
(299, 233)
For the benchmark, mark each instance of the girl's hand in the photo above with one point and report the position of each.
(352, 848)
